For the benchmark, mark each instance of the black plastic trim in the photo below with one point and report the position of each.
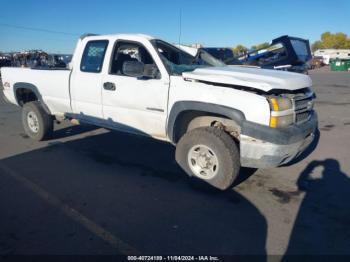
(34, 89)
(182, 106)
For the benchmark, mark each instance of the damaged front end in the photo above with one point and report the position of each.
(293, 125)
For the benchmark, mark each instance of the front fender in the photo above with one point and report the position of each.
(183, 106)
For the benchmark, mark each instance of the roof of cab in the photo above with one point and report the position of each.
(96, 36)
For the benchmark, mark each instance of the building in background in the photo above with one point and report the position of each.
(332, 54)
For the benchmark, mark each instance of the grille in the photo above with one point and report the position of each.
(301, 117)
(303, 105)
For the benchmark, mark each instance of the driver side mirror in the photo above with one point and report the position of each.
(133, 68)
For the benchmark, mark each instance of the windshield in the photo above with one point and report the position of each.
(178, 61)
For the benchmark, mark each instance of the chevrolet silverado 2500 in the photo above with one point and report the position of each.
(220, 118)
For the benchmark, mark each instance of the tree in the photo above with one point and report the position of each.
(339, 40)
(316, 45)
(328, 40)
(347, 44)
(239, 50)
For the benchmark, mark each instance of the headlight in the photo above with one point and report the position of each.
(281, 121)
(280, 103)
(282, 113)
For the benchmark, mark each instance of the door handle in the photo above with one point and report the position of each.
(109, 86)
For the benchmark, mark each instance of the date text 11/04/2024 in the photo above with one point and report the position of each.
(173, 258)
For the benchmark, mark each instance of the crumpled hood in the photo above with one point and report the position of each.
(262, 79)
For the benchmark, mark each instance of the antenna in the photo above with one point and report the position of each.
(180, 26)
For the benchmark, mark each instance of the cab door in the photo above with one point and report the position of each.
(135, 104)
(86, 82)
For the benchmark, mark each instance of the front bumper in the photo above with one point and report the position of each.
(263, 147)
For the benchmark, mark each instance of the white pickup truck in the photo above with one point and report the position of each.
(220, 118)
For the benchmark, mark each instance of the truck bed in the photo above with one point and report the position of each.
(51, 84)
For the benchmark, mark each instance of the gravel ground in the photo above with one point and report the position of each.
(94, 191)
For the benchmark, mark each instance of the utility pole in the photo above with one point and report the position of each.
(180, 29)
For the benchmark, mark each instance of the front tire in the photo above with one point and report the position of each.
(37, 124)
(209, 154)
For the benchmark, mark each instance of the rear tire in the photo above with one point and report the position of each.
(209, 154)
(37, 124)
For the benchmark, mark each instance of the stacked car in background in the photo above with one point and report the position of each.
(34, 58)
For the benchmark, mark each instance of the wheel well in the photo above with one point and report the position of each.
(190, 120)
(25, 95)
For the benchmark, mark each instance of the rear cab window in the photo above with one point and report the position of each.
(93, 56)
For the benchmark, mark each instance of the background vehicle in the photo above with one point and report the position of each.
(284, 53)
(219, 117)
(55, 61)
(224, 54)
(4, 60)
(316, 62)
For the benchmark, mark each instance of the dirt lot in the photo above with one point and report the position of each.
(93, 191)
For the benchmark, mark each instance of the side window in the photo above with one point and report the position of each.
(131, 51)
(93, 56)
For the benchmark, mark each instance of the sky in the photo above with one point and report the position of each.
(54, 26)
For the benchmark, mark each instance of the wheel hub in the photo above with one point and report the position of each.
(33, 122)
(203, 161)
